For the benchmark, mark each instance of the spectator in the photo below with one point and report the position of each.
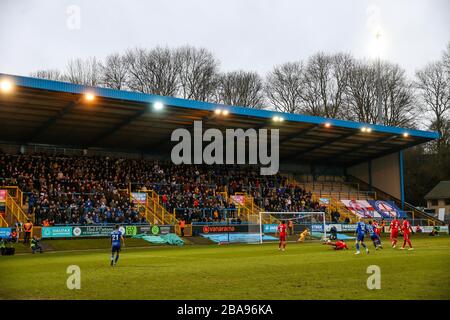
(434, 232)
(291, 227)
(86, 190)
(182, 224)
(335, 216)
(13, 237)
(382, 225)
(28, 226)
(19, 228)
(35, 245)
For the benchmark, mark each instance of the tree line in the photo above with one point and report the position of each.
(332, 85)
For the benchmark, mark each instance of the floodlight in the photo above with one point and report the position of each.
(6, 85)
(89, 96)
(158, 105)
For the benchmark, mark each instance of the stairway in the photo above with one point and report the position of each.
(3, 223)
(250, 211)
(14, 211)
(153, 211)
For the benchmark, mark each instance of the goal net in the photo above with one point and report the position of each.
(297, 222)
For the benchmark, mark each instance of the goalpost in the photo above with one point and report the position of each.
(268, 222)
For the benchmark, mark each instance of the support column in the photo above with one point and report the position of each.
(402, 186)
(369, 167)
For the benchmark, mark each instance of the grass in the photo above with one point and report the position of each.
(303, 271)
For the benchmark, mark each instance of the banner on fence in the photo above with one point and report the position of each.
(139, 197)
(3, 195)
(361, 208)
(4, 233)
(387, 209)
(240, 199)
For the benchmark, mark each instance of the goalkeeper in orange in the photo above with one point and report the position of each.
(303, 235)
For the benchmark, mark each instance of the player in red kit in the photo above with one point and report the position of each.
(406, 228)
(282, 231)
(338, 245)
(393, 227)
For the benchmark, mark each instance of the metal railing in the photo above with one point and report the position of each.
(3, 223)
(349, 195)
(13, 208)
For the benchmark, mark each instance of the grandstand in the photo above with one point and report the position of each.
(73, 154)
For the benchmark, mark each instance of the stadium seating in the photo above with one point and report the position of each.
(99, 189)
(93, 190)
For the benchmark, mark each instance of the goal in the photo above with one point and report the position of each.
(267, 224)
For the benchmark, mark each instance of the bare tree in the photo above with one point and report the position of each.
(114, 72)
(241, 88)
(139, 79)
(49, 74)
(361, 90)
(444, 131)
(434, 88)
(446, 58)
(396, 94)
(86, 72)
(198, 73)
(155, 71)
(283, 87)
(325, 82)
(397, 97)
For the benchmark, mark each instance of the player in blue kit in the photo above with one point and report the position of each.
(374, 236)
(361, 230)
(116, 241)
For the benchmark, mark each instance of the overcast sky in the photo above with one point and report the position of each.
(243, 34)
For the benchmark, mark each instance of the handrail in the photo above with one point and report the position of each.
(3, 223)
(254, 210)
(242, 209)
(16, 210)
(154, 208)
(18, 194)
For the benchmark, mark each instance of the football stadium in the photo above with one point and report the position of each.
(193, 213)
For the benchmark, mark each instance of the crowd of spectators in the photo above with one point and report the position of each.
(93, 189)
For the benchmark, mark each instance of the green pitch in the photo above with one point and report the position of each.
(304, 271)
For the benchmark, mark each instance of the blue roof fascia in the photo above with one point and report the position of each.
(199, 105)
